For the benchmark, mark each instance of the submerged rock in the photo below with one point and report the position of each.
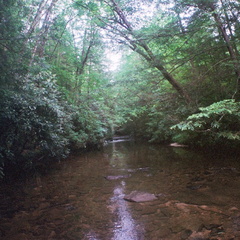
(136, 196)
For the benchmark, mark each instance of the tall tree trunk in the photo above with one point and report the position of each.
(37, 18)
(88, 43)
(138, 45)
(231, 50)
(32, 27)
(42, 37)
(86, 50)
(151, 58)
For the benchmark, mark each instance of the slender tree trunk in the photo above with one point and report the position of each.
(229, 26)
(232, 52)
(42, 38)
(157, 64)
(37, 18)
(33, 25)
(86, 50)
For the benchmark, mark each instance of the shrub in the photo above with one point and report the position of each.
(87, 129)
(32, 122)
(214, 124)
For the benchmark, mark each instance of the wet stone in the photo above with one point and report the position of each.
(233, 209)
(138, 197)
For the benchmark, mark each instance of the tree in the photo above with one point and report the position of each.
(12, 59)
(114, 21)
(219, 14)
(37, 123)
(38, 49)
(215, 123)
(57, 92)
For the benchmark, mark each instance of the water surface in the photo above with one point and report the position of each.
(198, 197)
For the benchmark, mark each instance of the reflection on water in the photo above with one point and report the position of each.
(91, 236)
(199, 197)
(125, 227)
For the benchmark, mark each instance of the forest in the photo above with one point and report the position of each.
(74, 73)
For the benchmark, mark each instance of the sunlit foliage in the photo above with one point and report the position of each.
(214, 124)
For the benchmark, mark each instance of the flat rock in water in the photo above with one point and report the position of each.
(136, 196)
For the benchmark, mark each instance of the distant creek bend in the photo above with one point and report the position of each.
(99, 196)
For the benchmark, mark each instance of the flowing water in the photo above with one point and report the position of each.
(198, 197)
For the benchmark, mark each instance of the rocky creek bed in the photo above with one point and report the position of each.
(191, 196)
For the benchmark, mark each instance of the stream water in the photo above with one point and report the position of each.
(198, 197)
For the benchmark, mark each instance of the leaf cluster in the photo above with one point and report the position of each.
(218, 122)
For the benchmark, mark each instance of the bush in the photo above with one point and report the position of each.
(88, 129)
(32, 122)
(218, 123)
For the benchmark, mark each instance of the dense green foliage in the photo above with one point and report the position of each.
(196, 42)
(48, 106)
(218, 123)
(32, 121)
(179, 67)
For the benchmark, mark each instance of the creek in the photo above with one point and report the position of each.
(82, 198)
